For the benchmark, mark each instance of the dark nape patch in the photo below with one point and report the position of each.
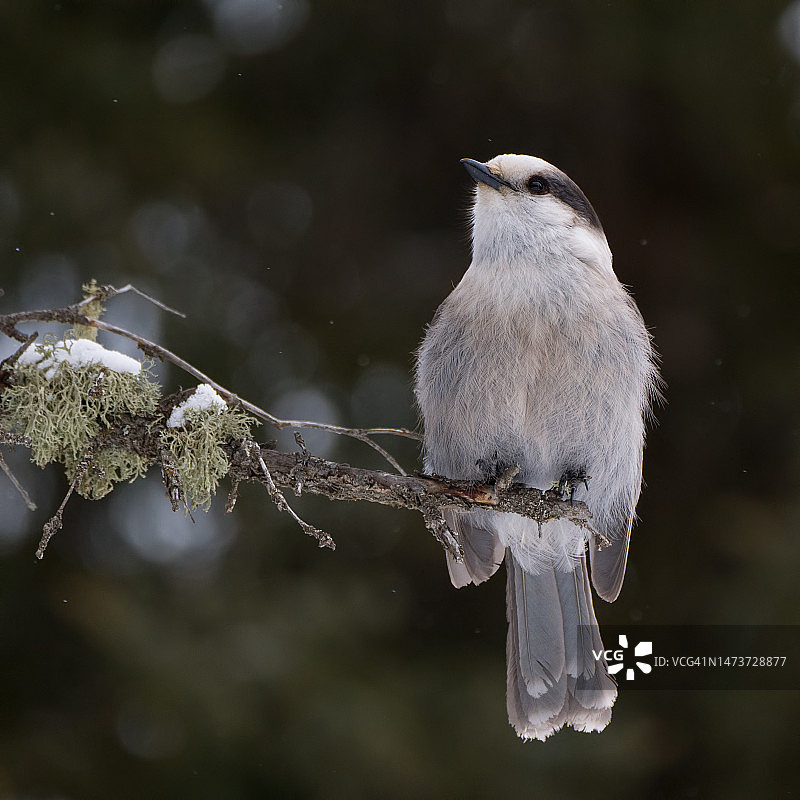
(567, 191)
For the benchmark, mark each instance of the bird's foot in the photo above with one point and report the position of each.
(497, 471)
(568, 482)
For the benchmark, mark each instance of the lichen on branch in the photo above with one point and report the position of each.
(64, 409)
(196, 452)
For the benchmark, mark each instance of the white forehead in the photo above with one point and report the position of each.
(512, 165)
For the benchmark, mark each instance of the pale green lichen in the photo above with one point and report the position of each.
(195, 448)
(108, 466)
(64, 409)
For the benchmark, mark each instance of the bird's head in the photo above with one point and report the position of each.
(525, 208)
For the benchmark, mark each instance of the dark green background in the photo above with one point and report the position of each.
(289, 178)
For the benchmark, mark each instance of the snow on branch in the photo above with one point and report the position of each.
(103, 417)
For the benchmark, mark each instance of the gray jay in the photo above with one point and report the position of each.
(539, 358)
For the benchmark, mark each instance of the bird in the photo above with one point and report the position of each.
(539, 360)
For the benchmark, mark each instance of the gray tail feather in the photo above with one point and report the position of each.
(553, 677)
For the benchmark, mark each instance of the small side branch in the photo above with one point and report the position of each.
(54, 524)
(171, 477)
(16, 484)
(436, 523)
(7, 363)
(6, 437)
(103, 293)
(253, 450)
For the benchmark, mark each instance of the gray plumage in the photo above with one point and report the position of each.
(540, 358)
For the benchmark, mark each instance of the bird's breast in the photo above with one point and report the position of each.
(517, 384)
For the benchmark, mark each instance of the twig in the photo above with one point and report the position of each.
(9, 362)
(323, 539)
(171, 478)
(106, 292)
(436, 523)
(54, 524)
(6, 437)
(233, 496)
(17, 485)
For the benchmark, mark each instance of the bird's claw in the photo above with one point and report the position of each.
(568, 482)
(496, 470)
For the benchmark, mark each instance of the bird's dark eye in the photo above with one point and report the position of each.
(537, 185)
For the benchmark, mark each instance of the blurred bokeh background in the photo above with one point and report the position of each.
(287, 174)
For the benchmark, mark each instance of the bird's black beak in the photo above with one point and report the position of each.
(480, 173)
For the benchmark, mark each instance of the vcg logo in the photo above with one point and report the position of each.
(642, 649)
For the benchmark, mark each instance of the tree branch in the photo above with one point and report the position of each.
(72, 315)
(249, 461)
(427, 494)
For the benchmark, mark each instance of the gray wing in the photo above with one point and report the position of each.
(483, 552)
(608, 563)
